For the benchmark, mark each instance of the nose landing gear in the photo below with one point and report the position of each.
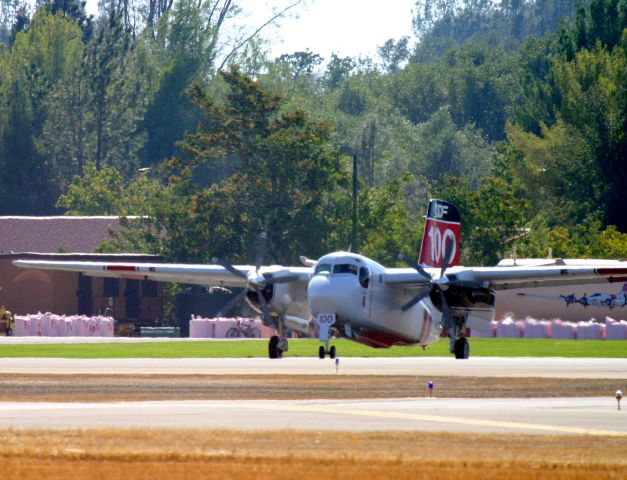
(325, 321)
(322, 351)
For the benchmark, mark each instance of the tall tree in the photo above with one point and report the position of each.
(287, 180)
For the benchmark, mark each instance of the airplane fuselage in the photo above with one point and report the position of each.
(351, 287)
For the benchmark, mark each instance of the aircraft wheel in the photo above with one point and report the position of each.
(332, 352)
(273, 351)
(321, 352)
(281, 347)
(462, 349)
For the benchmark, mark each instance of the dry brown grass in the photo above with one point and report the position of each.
(90, 388)
(180, 454)
(175, 454)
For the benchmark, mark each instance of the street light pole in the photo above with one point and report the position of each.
(353, 153)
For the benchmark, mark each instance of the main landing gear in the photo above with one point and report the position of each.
(459, 343)
(277, 346)
(461, 348)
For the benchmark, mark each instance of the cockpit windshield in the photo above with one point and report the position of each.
(322, 268)
(345, 268)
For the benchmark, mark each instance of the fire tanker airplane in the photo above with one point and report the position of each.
(363, 300)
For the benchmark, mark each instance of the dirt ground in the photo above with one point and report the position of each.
(92, 388)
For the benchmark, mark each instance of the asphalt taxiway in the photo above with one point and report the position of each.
(569, 416)
(607, 368)
(590, 415)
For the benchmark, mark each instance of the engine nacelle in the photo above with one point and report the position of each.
(283, 299)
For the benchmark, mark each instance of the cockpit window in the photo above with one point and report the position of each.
(345, 268)
(322, 268)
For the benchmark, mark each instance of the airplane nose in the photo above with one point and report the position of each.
(320, 295)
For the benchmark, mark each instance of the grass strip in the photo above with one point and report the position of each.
(480, 347)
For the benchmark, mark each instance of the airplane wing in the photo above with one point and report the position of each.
(505, 278)
(208, 275)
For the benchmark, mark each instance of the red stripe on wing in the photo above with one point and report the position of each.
(120, 268)
(612, 271)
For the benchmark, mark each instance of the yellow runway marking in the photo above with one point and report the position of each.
(442, 419)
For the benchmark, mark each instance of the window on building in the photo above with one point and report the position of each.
(149, 289)
(111, 287)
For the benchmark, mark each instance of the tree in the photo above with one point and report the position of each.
(387, 225)
(37, 61)
(493, 216)
(393, 54)
(287, 182)
(73, 10)
(104, 65)
(338, 69)
(581, 156)
(105, 192)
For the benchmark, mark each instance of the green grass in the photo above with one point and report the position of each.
(493, 347)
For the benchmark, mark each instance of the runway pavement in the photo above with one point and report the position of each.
(571, 416)
(595, 415)
(609, 368)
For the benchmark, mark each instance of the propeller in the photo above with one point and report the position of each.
(435, 284)
(255, 280)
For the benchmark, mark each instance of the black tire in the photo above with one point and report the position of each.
(321, 352)
(232, 333)
(273, 351)
(462, 349)
(332, 352)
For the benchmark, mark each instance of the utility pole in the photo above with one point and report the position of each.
(353, 153)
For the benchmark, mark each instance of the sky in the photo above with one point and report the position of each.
(348, 28)
(344, 27)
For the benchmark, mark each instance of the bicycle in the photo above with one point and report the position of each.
(243, 329)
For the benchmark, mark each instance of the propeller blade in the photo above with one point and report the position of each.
(267, 316)
(413, 264)
(446, 313)
(447, 257)
(229, 267)
(262, 241)
(415, 300)
(232, 303)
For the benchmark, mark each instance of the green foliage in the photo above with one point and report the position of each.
(288, 180)
(586, 240)
(393, 54)
(533, 129)
(387, 226)
(492, 217)
(490, 347)
(104, 192)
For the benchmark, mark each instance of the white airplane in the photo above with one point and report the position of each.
(599, 299)
(362, 299)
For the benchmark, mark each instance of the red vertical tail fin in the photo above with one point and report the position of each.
(442, 226)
